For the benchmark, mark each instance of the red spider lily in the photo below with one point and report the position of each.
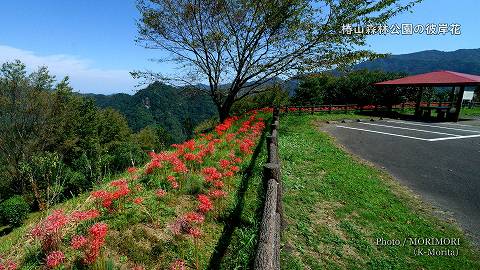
(221, 128)
(194, 217)
(190, 144)
(98, 231)
(229, 174)
(100, 194)
(108, 197)
(218, 184)
(107, 203)
(217, 193)
(155, 163)
(231, 136)
(258, 127)
(171, 178)
(119, 183)
(210, 148)
(178, 265)
(246, 146)
(235, 168)
(56, 221)
(245, 127)
(174, 185)
(195, 232)
(78, 241)
(132, 170)
(160, 193)
(224, 163)
(205, 203)
(138, 200)
(48, 230)
(206, 137)
(211, 174)
(178, 165)
(7, 264)
(84, 215)
(96, 239)
(190, 156)
(152, 154)
(55, 258)
(121, 192)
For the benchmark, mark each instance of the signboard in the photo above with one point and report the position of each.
(468, 95)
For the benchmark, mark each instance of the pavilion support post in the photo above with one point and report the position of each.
(418, 112)
(452, 97)
(458, 105)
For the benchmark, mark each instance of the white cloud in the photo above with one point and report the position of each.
(83, 76)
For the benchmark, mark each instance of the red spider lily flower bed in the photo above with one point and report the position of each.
(166, 214)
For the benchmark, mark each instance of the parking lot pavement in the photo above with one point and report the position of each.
(439, 161)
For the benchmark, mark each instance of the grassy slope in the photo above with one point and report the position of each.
(140, 235)
(240, 252)
(336, 207)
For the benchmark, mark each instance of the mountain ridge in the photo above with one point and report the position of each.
(160, 104)
(461, 60)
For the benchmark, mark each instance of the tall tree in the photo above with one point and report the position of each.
(238, 45)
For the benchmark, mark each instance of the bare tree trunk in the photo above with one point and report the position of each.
(223, 113)
(38, 196)
(226, 106)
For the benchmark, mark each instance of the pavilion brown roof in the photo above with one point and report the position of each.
(436, 78)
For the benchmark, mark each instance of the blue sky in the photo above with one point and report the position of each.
(92, 41)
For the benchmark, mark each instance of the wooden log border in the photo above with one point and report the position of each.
(268, 251)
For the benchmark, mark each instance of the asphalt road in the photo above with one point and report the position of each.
(439, 161)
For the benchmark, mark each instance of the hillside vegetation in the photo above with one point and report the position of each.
(55, 144)
(174, 109)
(173, 212)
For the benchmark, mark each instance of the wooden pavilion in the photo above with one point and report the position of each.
(458, 82)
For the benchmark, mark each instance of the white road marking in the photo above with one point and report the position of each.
(384, 133)
(454, 138)
(460, 125)
(413, 129)
(424, 125)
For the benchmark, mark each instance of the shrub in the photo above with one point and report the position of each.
(14, 210)
(193, 185)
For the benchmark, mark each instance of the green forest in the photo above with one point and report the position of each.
(174, 109)
(55, 144)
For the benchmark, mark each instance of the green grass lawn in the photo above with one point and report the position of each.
(336, 207)
(470, 112)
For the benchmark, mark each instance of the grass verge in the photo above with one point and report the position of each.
(336, 208)
(470, 111)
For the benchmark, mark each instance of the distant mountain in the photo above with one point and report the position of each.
(170, 108)
(464, 60)
(160, 104)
